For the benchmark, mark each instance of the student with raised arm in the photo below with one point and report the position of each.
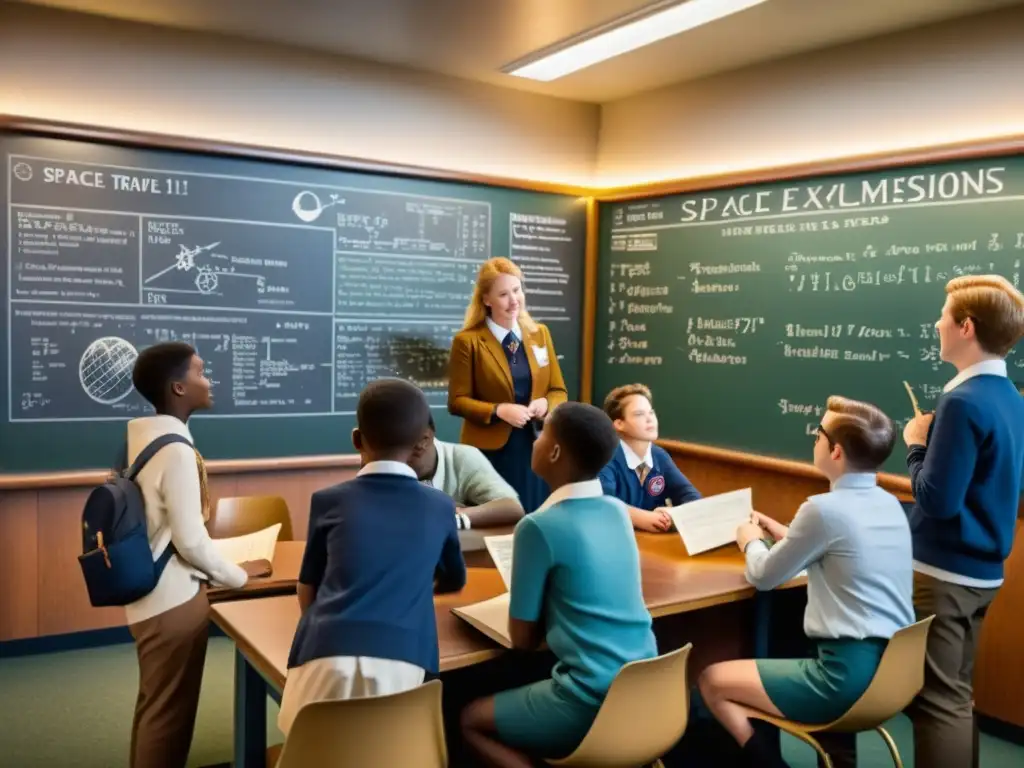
(641, 473)
(855, 543)
(379, 547)
(573, 584)
(170, 625)
(482, 497)
(965, 464)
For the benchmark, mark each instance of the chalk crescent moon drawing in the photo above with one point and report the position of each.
(308, 215)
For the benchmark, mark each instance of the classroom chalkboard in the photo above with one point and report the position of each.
(745, 308)
(298, 285)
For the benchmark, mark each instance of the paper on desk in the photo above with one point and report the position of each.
(500, 550)
(712, 522)
(252, 546)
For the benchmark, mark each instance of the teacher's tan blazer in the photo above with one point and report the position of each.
(479, 378)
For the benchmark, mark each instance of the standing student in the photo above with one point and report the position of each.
(170, 624)
(482, 497)
(965, 464)
(504, 377)
(855, 543)
(379, 546)
(573, 584)
(641, 473)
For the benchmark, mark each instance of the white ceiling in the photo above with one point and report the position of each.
(474, 39)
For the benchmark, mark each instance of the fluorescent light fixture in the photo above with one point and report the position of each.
(654, 23)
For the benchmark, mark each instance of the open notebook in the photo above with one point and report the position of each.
(491, 616)
(258, 545)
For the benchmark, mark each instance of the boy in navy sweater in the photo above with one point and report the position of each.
(965, 463)
(379, 546)
(640, 473)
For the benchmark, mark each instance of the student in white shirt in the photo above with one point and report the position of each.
(483, 499)
(170, 624)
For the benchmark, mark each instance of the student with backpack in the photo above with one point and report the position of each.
(170, 622)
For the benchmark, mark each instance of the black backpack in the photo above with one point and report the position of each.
(116, 560)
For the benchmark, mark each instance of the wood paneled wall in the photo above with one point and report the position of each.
(42, 593)
(41, 587)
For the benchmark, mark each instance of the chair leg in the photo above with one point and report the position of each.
(808, 739)
(891, 745)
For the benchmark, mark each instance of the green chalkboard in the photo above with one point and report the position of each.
(745, 308)
(298, 284)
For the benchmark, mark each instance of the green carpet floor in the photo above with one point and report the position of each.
(74, 710)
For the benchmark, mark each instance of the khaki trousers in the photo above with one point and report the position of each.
(943, 712)
(172, 654)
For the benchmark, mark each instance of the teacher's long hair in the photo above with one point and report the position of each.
(490, 270)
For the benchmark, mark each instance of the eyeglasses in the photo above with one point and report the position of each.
(824, 433)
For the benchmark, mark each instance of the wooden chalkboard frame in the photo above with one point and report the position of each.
(964, 150)
(139, 139)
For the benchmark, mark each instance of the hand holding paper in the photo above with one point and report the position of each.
(712, 522)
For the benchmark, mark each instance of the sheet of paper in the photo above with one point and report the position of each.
(500, 550)
(712, 522)
(489, 617)
(252, 546)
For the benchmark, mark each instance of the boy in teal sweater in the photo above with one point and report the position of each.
(575, 583)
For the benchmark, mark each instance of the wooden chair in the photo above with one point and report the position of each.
(898, 679)
(239, 515)
(642, 717)
(373, 732)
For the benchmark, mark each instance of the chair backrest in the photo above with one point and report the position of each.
(239, 515)
(898, 679)
(643, 715)
(373, 732)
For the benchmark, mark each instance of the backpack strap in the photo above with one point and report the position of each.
(151, 450)
(141, 460)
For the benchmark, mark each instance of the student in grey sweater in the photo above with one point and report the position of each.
(854, 542)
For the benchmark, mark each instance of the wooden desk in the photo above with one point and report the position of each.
(673, 582)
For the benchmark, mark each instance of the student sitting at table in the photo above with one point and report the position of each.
(482, 497)
(573, 584)
(641, 473)
(379, 546)
(855, 543)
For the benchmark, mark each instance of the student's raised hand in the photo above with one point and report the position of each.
(539, 408)
(257, 568)
(514, 414)
(916, 431)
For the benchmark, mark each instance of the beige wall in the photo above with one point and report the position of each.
(84, 69)
(957, 81)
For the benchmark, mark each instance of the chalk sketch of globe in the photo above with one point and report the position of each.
(106, 369)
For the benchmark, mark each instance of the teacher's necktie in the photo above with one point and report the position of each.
(512, 344)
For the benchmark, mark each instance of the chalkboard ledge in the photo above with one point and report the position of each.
(82, 478)
(892, 483)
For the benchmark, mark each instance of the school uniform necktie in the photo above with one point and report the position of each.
(511, 344)
(642, 471)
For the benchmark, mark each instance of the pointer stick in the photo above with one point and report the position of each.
(913, 400)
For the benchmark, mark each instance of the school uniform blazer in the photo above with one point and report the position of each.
(479, 379)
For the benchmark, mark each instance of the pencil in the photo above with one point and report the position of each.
(913, 399)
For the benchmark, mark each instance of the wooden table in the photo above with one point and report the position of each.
(673, 583)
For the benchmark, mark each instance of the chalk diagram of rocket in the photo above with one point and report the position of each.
(207, 275)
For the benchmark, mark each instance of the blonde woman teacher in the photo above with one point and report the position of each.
(504, 378)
